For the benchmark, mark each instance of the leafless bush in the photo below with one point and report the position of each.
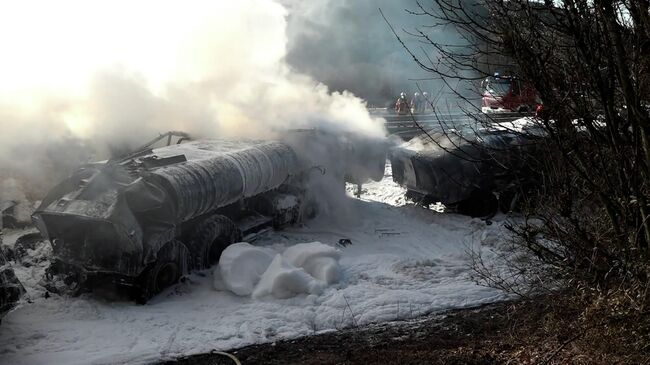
(589, 62)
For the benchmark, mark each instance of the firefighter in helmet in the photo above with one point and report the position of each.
(402, 105)
(426, 108)
(417, 104)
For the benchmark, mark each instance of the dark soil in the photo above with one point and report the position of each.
(520, 332)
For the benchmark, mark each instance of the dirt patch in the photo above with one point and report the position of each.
(519, 332)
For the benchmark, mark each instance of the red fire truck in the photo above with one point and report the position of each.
(508, 94)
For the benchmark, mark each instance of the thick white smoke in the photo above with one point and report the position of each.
(349, 46)
(82, 75)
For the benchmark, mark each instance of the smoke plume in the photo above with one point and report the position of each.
(82, 77)
(349, 46)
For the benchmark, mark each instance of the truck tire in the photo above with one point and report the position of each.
(171, 264)
(419, 198)
(211, 237)
(508, 201)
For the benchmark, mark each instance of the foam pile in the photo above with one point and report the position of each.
(240, 267)
(283, 280)
(305, 268)
(319, 260)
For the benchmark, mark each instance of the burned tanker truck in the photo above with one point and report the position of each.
(144, 220)
(474, 172)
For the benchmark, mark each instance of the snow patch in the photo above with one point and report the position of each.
(403, 262)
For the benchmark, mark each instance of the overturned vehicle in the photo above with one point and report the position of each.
(144, 220)
(474, 172)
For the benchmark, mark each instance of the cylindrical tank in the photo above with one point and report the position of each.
(213, 179)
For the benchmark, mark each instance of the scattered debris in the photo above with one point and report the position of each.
(10, 288)
(15, 208)
(14, 215)
(26, 242)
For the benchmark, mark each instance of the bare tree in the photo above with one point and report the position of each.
(589, 61)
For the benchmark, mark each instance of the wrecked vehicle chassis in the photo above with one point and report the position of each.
(475, 173)
(144, 221)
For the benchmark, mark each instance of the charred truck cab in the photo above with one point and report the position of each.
(145, 220)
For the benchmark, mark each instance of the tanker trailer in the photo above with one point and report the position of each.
(475, 172)
(143, 221)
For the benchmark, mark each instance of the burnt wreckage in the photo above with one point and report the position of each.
(10, 288)
(144, 220)
(475, 172)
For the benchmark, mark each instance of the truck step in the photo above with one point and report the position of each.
(254, 224)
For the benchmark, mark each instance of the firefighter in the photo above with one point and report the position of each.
(417, 103)
(427, 102)
(402, 105)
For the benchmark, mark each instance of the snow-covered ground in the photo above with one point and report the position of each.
(403, 261)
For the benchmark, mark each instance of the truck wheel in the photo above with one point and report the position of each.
(508, 201)
(171, 264)
(419, 198)
(211, 237)
(480, 204)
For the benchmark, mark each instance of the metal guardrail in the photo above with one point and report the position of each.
(405, 126)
